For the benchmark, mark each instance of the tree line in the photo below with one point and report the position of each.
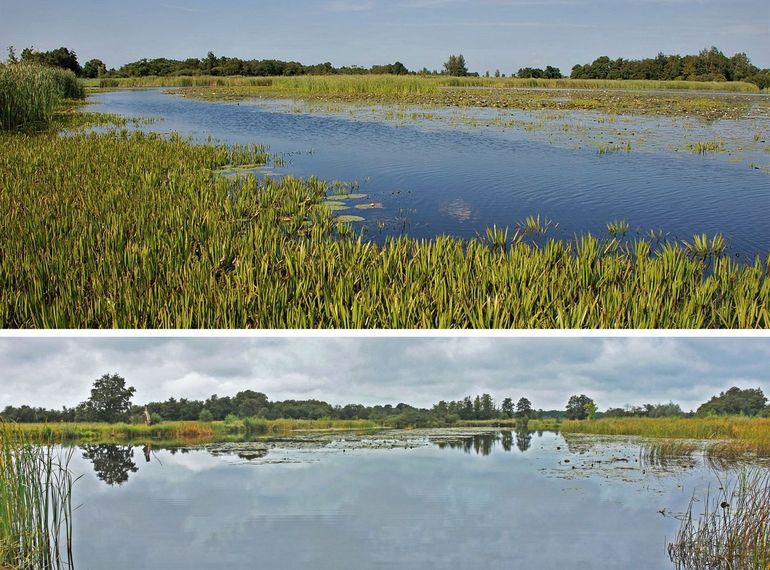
(110, 401)
(708, 65)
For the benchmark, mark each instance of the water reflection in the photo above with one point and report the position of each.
(485, 443)
(112, 463)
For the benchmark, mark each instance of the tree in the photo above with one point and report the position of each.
(507, 408)
(579, 407)
(523, 408)
(455, 66)
(735, 401)
(59, 57)
(110, 400)
(94, 68)
(205, 416)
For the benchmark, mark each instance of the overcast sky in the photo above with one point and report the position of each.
(52, 372)
(504, 34)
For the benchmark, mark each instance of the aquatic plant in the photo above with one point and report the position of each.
(125, 229)
(736, 435)
(733, 530)
(35, 503)
(704, 147)
(29, 95)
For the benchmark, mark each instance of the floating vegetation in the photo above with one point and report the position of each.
(733, 529)
(35, 503)
(369, 206)
(333, 205)
(618, 228)
(705, 147)
(349, 218)
(147, 235)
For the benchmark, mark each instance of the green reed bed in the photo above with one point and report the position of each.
(136, 230)
(30, 95)
(738, 435)
(416, 83)
(728, 528)
(35, 503)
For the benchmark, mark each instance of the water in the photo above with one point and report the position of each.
(436, 177)
(422, 499)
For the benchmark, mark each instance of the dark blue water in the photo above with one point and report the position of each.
(460, 181)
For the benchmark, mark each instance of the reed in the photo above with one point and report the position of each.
(733, 530)
(137, 230)
(35, 503)
(416, 83)
(30, 94)
(736, 434)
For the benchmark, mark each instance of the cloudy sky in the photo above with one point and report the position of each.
(52, 372)
(504, 34)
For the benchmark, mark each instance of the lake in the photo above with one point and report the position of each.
(444, 171)
(394, 499)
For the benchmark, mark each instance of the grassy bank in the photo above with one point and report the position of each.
(134, 231)
(693, 99)
(31, 94)
(415, 83)
(740, 434)
(179, 432)
(35, 503)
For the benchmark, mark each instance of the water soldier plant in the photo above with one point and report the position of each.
(35, 503)
(146, 234)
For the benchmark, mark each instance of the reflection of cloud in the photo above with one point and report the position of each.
(182, 8)
(458, 209)
(349, 6)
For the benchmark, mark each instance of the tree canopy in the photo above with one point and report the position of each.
(455, 66)
(110, 400)
(748, 402)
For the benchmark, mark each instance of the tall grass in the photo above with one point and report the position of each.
(136, 230)
(35, 503)
(29, 95)
(733, 530)
(742, 433)
(390, 84)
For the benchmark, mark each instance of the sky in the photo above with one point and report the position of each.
(53, 372)
(491, 34)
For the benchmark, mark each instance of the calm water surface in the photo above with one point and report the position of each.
(492, 500)
(433, 180)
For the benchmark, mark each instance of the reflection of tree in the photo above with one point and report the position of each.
(523, 439)
(506, 438)
(112, 463)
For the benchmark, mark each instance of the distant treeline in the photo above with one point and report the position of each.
(110, 401)
(709, 65)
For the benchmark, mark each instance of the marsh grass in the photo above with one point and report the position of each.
(734, 436)
(134, 230)
(732, 531)
(415, 83)
(35, 503)
(30, 95)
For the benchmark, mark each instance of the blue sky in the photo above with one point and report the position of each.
(492, 34)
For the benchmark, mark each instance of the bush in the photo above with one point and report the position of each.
(205, 416)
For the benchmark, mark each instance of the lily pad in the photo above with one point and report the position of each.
(369, 206)
(334, 205)
(349, 219)
(347, 197)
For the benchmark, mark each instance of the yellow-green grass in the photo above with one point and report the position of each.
(178, 432)
(136, 230)
(413, 83)
(734, 433)
(35, 503)
(30, 94)
(610, 96)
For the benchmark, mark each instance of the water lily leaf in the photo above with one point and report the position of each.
(369, 206)
(347, 197)
(347, 218)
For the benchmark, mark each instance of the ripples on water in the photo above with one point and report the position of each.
(435, 179)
